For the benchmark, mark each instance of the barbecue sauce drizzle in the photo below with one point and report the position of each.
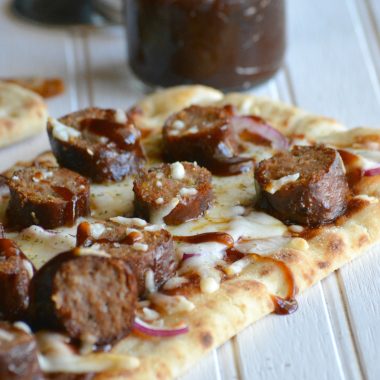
(71, 205)
(114, 131)
(282, 305)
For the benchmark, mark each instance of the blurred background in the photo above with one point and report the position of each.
(331, 67)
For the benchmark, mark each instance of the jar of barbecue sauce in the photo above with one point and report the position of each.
(228, 44)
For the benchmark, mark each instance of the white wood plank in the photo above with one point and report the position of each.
(360, 284)
(373, 9)
(298, 346)
(207, 368)
(228, 359)
(341, 328)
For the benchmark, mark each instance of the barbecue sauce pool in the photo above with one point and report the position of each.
(226, 44)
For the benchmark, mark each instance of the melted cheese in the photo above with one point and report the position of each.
(368, 159)
(237, 266)
(41, 245)
(367, 198)
(23, 326)
(112, 199)
(129, 221)
(97, 229)
(92, 251)
(275, 185)
(171, 304)
(149, 281)
(120, 116)
(157, 216)
(264, 246)
(175, 282)
(6, 335)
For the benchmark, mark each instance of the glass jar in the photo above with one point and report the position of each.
(228, 44)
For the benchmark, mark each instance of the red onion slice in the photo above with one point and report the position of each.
(372, 172)
(154, 331)
(258, 126)
(187, 256)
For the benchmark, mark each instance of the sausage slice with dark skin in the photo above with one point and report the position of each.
(148, 249)
(207, 136)
(305, 186)
(18, 354)
(16, 272)
(102, 144)
(86, 293)
(48, 197)
(172, 193)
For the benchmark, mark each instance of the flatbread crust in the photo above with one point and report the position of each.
(243, 299)
(45, 87)
(246, 298)
(22, 113)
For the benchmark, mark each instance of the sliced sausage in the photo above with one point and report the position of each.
(18, 354)
(101, 144)
(16, 271)
(48, 197)
(172, 193)
(148, 249)
(306, 186)
(86, 293)
(204, 135)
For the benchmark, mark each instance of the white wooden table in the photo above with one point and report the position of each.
(332, 68)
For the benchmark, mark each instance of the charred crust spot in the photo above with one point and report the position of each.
(266, 271)
(206, 339)
(363, 240)
(323, 264)
(335, 245)
(308, 279)
(288, 256)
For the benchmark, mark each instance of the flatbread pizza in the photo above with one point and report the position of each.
(147, 238)
(22, 113)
